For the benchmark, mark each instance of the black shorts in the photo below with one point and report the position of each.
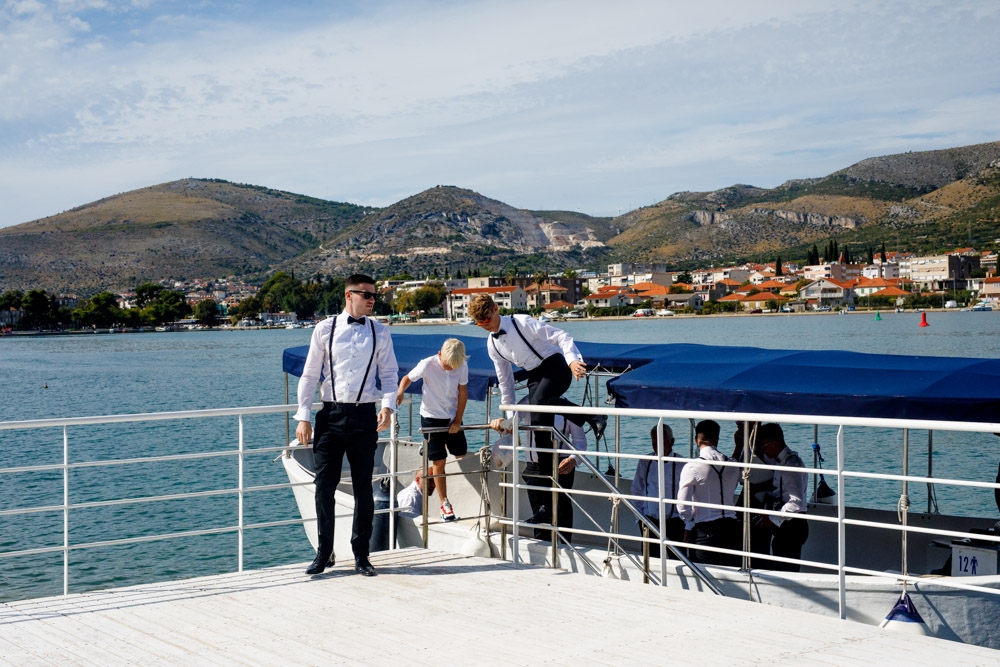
(439, 445)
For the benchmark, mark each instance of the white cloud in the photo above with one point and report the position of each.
(582, 100)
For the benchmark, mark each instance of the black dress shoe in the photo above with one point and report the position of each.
(541, 516)
(362, 566)
(320, 563)
(599, 424)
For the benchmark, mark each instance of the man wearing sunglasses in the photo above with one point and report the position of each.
(352, 348)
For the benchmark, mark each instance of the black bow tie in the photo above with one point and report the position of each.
(499, 333)
(355, 320)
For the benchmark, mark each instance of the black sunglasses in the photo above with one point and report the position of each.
(366, 295)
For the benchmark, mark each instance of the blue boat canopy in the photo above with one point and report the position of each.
(684, 376)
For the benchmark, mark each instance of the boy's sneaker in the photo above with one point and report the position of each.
(447, 513)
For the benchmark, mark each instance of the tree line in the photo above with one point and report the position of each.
(155, 305)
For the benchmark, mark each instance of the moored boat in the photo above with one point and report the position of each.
(740, 383)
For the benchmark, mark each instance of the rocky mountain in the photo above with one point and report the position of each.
(183, 229)
(196, 228)
(930, 199)
(447, 227)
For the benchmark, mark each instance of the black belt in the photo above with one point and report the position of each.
(338, 404)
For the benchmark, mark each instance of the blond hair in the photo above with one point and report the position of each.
(481, 307)
(453, 353)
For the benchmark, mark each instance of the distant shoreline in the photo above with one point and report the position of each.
(433, 322)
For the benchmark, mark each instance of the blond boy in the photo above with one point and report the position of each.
(445, 393)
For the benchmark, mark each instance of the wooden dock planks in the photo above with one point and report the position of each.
(432, 608)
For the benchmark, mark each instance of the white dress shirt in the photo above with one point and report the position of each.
(509, 349)
(352, 350)
(790, 485)
(701, 483)
(647, 483)
(439, 398)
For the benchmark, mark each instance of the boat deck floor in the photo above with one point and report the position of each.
(427, 607)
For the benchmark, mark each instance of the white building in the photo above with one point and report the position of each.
(880, 270)
(511, 298)
(942, 271)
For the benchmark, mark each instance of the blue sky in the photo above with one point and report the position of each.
(597, 107)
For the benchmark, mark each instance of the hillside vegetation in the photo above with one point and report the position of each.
(183, 229)
(925, 202)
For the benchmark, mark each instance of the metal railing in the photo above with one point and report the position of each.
(240, 490)
(841, 474)
(511, 519)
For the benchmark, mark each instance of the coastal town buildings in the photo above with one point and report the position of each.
(618, 270)
(941, 272)
(544, 294)
(991, 289)
(627, 286)
(828, 292)
(505, 296)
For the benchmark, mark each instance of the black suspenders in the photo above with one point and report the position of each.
(329, 356)
(722, 495)
(673, 483)
(518, 330)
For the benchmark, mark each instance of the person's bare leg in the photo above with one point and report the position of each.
(437, 468)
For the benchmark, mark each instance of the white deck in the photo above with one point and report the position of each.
(426, 607)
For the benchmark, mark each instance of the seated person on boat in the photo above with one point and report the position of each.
(702, 482)
(782, 536)
(646, 483)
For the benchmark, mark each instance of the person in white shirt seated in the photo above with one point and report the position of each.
(535, 475)
(646, 483)
(410, 500)
(788, 494)
(703, 482)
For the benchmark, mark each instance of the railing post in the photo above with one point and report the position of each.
(288, 421)
(503, 481)
(239, 561)
(65, 510)
(393, 446)
(555, 499)
(904, 502)
(424, 493)
(516, 500)
(815, 444)
(618, 447)
(930, 470)
(661, 473)
(841, 532)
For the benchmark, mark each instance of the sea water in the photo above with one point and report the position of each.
(103, 374)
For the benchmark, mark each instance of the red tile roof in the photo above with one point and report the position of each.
(891, 291)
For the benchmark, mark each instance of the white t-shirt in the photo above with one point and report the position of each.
(440, 393)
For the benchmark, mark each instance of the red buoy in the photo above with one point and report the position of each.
(923, 320)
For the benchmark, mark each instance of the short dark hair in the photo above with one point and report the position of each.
(709, 429)
(664, 429)
(769, 432)
(356, 279)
